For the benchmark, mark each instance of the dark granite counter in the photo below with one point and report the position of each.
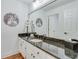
(71, 49)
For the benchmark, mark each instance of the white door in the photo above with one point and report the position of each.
(53, 25)
(71, 22)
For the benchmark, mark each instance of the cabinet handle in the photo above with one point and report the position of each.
(65, 33)
(21, 44)
(25, 48)
(37, 52)
(33, 56)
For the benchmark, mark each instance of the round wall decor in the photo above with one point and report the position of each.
(11, 19)
(39, 22)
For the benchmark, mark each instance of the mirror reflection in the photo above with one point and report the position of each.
(56, 19)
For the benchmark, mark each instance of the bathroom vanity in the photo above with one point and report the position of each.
(30, 51)
(46, 48)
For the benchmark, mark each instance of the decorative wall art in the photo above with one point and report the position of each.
(11, 19)
(39, 22)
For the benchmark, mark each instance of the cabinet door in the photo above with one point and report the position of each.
(22, 47)
(29, 55)
(33, 52)
(47, 56)
(61, 53)
(20, 44)
(29, 51)
(53, 49)
(39, 54)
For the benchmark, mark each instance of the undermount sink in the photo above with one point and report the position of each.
(36, 40)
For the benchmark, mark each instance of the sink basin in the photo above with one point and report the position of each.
(36, 40)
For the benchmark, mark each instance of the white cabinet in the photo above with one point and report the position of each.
(31, 52)
(25, 48)
(53, 49)
(61, 53)
(47, 56)
(21, 44)
(22, 47)
(39, 54)
(36, 53)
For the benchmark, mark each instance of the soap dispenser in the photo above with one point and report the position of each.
(31, 36)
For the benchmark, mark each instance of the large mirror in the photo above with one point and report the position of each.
(56, 19)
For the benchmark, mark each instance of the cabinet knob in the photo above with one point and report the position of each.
(37, 52)
(21, 44)
(33, 56)
(25, 48)
(65, 33)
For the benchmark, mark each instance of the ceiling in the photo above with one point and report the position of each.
(26, 1)
(53, 5)
(57, 3)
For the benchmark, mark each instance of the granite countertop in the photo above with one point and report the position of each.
(71, 49)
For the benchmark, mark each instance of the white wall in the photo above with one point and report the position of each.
(68, 10)
(9, 34)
